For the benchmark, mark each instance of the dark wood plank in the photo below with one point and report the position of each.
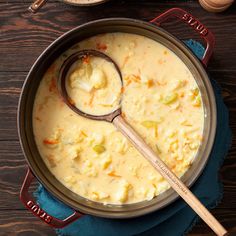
(22, 223)
(12, 171)
(31, 35)
(10, 88)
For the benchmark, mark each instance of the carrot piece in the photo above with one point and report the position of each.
(113, 174)
(50, 141)
(86, 59)
(122, 89)
(101, 46)
(150, 83)
(132, 78)
(136, 78)
(129, 82)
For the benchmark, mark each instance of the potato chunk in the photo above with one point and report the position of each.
(98, 79)
(122, 193)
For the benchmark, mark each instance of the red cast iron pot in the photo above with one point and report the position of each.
(38, 169)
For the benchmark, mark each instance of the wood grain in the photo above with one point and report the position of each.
(22, 223)
(33, 34)
(10, 88)
(23, 37)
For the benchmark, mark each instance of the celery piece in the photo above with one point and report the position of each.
(170, 98)
(158, 149)
(99, 149)
(149, 124)
(197, 101)
(195, 91)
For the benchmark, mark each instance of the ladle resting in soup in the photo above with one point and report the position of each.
(160, 100)
(94, 85)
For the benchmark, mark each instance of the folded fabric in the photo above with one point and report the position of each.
(174, 220)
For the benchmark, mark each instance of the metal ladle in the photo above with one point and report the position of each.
(119, 122)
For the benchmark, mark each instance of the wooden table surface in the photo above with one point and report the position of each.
(23, 37)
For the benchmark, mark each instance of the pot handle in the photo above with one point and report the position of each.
(37, 211)
(36, 5)
(193, 23)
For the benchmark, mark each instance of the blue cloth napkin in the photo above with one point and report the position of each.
(176, 219)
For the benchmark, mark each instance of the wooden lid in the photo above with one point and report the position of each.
(215, 5)
(219, 3)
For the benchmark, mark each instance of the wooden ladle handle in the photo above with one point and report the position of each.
(172, 179)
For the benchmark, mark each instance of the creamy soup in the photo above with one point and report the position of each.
(160, 100)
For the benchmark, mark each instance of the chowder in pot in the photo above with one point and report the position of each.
(48, 137)
(160, 99)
